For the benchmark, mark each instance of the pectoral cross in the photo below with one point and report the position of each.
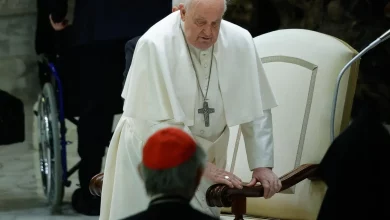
(206, 111)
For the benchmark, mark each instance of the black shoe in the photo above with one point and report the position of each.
(85, 203)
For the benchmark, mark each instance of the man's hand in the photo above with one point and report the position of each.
(58, 26)
(221, 176)
(268, 180)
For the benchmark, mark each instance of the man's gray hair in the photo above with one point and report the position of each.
(180, 180)
(187, 3)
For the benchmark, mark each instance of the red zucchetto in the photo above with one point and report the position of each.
(168, 148)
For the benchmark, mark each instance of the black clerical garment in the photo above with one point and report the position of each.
(355, 168)
(170, 207)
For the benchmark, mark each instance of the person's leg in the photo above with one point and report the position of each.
(100, 68)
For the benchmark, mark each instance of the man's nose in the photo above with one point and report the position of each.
(208, 31)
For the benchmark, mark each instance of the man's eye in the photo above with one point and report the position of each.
(200, 23)
(216, 24)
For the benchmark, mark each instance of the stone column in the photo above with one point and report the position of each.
(18, 71)
(18, 66)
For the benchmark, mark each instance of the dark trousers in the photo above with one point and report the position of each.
(100, 67)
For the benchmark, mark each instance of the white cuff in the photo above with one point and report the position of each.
(258, 138)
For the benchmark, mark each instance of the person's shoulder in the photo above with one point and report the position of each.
(235, 37)
(234, 30)
(162, 31)
(145, 44)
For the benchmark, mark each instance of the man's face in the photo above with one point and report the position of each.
(202, 21)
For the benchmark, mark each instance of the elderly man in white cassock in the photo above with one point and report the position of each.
(195, 71)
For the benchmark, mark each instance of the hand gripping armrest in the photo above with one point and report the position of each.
(220, 195)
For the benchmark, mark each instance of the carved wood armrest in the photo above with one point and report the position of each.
(220, 195)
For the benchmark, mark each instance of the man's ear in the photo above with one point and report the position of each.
(182, 11)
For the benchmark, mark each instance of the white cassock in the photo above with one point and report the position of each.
(161, 90)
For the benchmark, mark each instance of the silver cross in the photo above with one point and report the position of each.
(206, 111)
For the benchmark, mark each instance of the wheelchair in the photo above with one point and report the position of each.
(55, 105)
(52, 114)
(58, 103)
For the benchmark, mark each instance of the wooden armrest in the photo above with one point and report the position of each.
(220, 195)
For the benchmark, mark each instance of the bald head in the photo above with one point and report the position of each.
(202, 19)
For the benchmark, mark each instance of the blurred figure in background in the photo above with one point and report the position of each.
(99, 33)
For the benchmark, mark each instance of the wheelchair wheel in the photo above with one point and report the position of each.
(50, 148)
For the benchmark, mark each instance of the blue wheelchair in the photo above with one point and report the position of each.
(58, 102)
(51, 114)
